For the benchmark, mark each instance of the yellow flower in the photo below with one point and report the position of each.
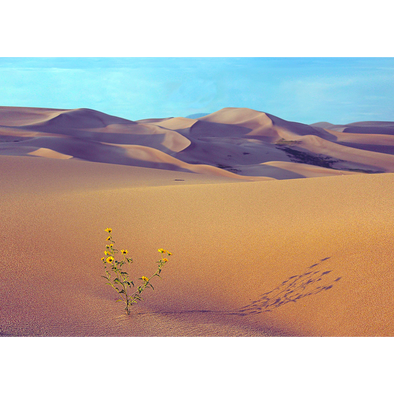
(108, 230)
(102, 258)
(145, 279)
(124, 251)
(161, 250)
(110, 259)
(107, 253)
(165, 260)
(169, 253)
(108, 238)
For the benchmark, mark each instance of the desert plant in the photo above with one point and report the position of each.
(118, 278)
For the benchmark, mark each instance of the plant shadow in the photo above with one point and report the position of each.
(312, 281)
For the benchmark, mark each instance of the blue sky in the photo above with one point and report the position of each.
(307, 90)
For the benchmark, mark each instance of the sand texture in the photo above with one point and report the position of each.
(277, 228)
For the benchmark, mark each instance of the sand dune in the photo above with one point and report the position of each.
(243, 140)
(49, 153)
(308, 255)
(21, 116)
(265, 138)
(370, 128)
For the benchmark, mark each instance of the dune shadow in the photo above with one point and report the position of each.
(312, 281)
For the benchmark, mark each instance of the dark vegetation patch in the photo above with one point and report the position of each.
(228, 168)
(364, 171)
(282, 141)
(297, 156)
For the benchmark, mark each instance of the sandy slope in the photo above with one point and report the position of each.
(296, 257)
(251, 256)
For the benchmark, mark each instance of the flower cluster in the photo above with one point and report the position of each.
(164, 251)
(119, 279)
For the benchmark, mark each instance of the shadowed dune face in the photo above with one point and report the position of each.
(231, 142)
(370, 128)
(20, 116)
(202, 129)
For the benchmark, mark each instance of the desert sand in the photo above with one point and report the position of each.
(276, 228)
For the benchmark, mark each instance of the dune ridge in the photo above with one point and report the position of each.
(244, 141)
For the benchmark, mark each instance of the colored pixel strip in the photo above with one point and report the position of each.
(147, 338)
(197, 55)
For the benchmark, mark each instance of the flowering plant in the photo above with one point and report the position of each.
(118, 278)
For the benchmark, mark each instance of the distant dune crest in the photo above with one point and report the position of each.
(232, 142)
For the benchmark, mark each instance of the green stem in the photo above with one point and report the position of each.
(149, 279)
